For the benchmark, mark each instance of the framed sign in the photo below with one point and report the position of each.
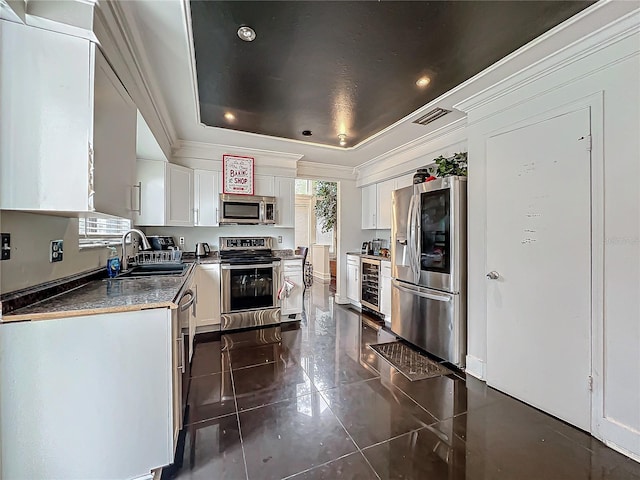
(237, 175)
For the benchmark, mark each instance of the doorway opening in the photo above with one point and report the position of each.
(316, 227)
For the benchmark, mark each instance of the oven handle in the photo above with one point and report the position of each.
(226, 266)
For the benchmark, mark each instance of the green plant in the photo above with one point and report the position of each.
(326, 204)
(455, 165)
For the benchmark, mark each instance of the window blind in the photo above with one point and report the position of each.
(93, 231)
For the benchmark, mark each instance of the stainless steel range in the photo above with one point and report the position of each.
(249, 284)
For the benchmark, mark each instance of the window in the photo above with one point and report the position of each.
(93, 231)
(304, 187)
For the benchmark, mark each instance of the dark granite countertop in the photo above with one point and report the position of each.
(107, 296)
(375, 257)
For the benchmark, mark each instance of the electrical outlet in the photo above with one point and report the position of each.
(5, 251)
(279, 238)
(55, 252)
(181, 241)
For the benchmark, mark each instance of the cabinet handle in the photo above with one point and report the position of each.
(139, 209)
(196, 216)
(181, 365)
(217, 216)
(195, 301)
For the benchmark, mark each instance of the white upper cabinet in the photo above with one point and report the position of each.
(376, 202)
(264, 185)
(206, 198)
(369, 207)
(383, 203)
(285, 189)
(166, 194)
(71, 139)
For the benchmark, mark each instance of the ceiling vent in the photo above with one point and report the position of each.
(432, 116)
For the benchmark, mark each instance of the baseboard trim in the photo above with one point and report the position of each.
(476, 367)
(322, 277)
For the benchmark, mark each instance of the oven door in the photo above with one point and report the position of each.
(249, 287)
(439, 233)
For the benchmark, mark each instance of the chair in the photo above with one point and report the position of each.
(307, 268)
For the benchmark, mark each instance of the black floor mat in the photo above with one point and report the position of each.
(411, 363)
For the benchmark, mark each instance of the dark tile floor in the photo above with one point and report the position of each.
(313, 402)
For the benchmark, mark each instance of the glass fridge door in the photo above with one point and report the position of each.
(435, 231)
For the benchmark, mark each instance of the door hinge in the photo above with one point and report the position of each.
(590, 383)
(589, 142)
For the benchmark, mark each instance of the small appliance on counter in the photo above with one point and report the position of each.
(162, 242)
(202, 250)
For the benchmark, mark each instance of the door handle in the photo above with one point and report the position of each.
(421, 293)
(493, 275)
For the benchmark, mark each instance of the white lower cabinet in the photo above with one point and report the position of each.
(292, 271)
(353, 278)
(101, 383)
(385, 289)
(208, 291)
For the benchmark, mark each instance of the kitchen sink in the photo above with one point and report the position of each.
(154, 269)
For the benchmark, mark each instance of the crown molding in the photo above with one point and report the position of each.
(214, 152)
(324, 171)
(408, 157)
(118, 36)
(577, 50)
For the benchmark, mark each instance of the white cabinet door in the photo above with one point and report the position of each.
(353, 278)
(177, 366)
(285, 201)
(264, 185)
(45, 134)
(208, 287)
(385, 288)
(63, 112)
(114, 142)
(383, 204)
(369, 205)
(206, 198)
(179, 200)
(151, 178)
(126, 373)
(292, 271)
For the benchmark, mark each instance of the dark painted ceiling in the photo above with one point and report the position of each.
(349, 67)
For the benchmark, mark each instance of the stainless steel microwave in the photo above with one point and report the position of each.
(247, 210)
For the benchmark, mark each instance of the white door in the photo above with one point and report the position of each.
(538, 242)
(285, 201)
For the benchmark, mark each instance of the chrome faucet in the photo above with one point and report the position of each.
(145, 245)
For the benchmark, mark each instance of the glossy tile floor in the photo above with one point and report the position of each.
(312, 401)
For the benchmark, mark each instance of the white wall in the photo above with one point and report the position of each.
(211, 235)
(30, 236)
(605, 76)
(350, 233)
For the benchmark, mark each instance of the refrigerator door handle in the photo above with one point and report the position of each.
(421, 292)
(415, 237)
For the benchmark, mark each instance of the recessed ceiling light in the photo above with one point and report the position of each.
(247, 34)
(230, 116)
(343, 139)
(423, 82)
(307, 133)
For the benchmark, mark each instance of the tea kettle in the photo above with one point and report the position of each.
(202, 250)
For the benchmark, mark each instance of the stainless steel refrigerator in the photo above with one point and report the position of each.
(429, 267)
